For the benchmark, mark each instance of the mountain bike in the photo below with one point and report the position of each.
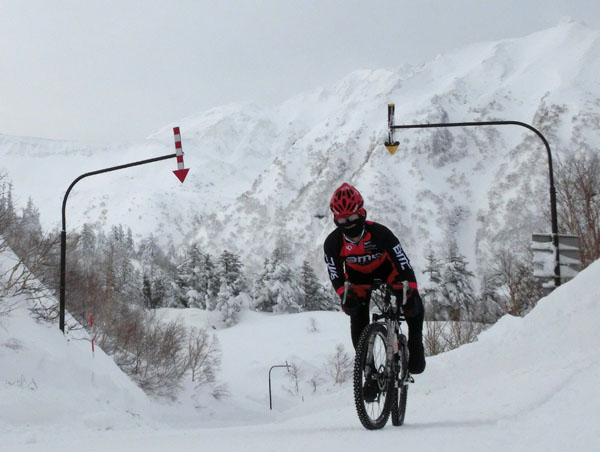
(381, 375)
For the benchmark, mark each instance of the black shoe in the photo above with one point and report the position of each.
(370, 390)
(416, 357)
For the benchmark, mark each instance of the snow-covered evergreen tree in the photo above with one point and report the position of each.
(213, 281)
(314, 296)
(191, 280)
(488, 306)
(120, 251)
(283, 250)
(30, 221)
(160, 291)
(7, 209)
(231, 272)
(147, 292)
(263, 298)
(228, 304)
(286, 289)
(457, 294)
(278, 288)
(87, 240)
(430, 290)
(150, 252)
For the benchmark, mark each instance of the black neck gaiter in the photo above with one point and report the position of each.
(353, 228)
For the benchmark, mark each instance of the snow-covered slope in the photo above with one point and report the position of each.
(528, 384)
(50, 379)
(259, 175)
(47, 379)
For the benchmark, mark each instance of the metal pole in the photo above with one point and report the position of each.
(63, 232)
(272, 367)
(553, 210)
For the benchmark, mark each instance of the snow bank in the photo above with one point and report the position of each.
(532, 376)
(49, 379)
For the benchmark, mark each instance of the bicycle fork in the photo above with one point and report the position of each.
(391, 347)
(395, 341)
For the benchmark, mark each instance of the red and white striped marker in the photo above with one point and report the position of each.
(181, 171)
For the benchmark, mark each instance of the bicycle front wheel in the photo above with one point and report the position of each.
(401, 394)
(373, 388)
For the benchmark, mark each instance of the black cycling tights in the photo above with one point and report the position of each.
(360, 320)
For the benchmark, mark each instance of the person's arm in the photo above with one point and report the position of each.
(335, 266)
(400, 261)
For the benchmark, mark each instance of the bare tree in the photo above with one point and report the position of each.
(515, 274)
(22, 233)
(313, 325)
(160, 357)
(339, 365)
(461, 333)
(433, 339)
(203, 356)
(295, 373)
(578, 197)
(315, 381)
(21, 277)
(443, 336)
(152, 352)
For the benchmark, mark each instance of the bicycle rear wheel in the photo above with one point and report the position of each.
(401, 393)
(373, 389)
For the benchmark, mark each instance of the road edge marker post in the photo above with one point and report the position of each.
(181, 171)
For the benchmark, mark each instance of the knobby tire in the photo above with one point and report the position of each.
(373, 415)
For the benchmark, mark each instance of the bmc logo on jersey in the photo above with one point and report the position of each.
(402, 259)
(331, 267)
(366, 259)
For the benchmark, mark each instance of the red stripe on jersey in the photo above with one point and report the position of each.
(368, 268)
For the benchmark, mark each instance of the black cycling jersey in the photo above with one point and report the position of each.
(377, 255)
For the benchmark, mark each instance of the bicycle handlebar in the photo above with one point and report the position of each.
(376, 284)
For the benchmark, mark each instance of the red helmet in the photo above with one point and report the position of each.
(346, 200)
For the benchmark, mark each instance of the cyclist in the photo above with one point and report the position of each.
(360, 251)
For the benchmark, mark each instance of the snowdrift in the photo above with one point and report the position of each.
(48, 378)
(531, 380)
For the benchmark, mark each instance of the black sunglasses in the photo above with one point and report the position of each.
(351, 218)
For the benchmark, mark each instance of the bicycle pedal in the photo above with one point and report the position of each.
(408, 380)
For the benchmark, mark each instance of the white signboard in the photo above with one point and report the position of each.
(544, 256)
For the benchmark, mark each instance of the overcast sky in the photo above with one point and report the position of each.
(113, 71)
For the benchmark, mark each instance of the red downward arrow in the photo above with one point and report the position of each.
(181, 173)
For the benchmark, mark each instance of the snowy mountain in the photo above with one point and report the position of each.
(262, 176)
(527, 384)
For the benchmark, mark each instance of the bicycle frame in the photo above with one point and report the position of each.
(392, 317)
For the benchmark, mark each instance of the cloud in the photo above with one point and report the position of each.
(113, 71)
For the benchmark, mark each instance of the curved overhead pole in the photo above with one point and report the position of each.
(393, 145)
(181, 174)
(63, 232)
(287, 366)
